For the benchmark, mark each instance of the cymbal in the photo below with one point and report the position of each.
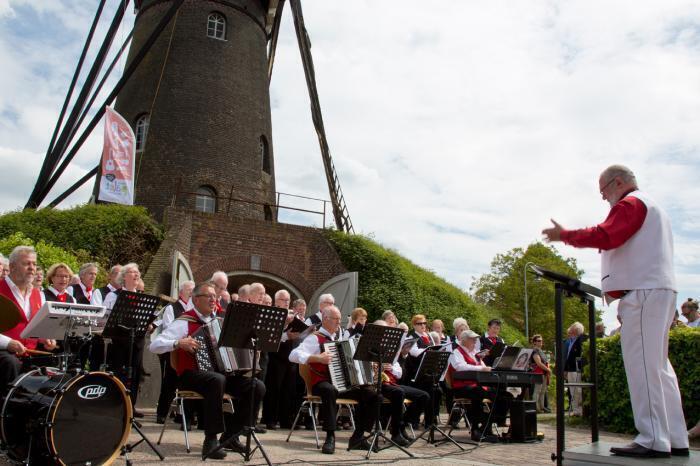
(9, 314)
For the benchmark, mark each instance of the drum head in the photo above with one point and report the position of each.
(90, 420)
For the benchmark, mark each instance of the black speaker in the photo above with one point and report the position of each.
(523, 421)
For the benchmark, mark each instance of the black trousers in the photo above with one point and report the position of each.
(396, 395)
(10, 368)
(168, 385)
(212, 386)
(365, 412)
(118, 362)
(280, 394)
(432, 408)
(501, 405)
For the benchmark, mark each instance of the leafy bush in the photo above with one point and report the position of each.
(108, 233)
(47, 254)
(390, 281)
(614, 408)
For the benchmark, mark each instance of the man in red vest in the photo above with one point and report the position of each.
(17, 287)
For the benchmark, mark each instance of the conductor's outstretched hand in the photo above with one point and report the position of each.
(554, 233)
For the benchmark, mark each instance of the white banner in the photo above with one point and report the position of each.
(118, 157)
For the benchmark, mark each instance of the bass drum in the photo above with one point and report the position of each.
(53, 417)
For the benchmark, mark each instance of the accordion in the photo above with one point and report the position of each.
(211, 357)
(347, 373)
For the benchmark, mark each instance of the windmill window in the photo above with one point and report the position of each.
(265, 155)
(141, 132)
(216, 26)
(205, 200)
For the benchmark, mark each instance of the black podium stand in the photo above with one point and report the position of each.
(432, 367)
(130, 317)
(379, 344)
(565, 286)
(259, 328)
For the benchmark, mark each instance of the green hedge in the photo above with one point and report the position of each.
(390, 281)
(614, 408)
(107, 233)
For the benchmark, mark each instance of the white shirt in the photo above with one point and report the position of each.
(396, 370)
(318, 314)
(69, 290)
(168, 315)
(458, 362)
(177, 330)
(695, 323)
(97, 299)
(24, 304)
(309, 347)
(415, 351)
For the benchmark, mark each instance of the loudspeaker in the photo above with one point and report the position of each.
(523, 421)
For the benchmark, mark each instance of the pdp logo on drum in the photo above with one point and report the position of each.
(92, 392)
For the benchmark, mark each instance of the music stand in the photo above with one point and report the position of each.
(130, 317)
(378, 344)
(256, 327)
(433, 366)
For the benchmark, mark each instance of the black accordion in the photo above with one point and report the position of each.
(211, 357)
(347, 373)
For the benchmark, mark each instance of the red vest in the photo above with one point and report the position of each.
(392, 378)
(319, 372)
(181, 360)
(469, 360)
(34, 305)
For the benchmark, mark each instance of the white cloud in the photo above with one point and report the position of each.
(457, 131)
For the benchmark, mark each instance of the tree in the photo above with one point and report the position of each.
(503, 289)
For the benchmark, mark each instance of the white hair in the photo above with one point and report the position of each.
(257, 287)
(125, 269)
(186, 283)
(459, 321)
(614, 171)
(282, 292)
(86, 266)
(577, 328)
(19, 251)
(219, 274)
(328, 310)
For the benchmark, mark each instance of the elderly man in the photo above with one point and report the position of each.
(17, 288)
(310, 352)
(2, 267)
(82, 292)
(573, 349)
(689, 309)
(244, 293)
(636, 245)
(169, 376)
(220, 281)
(256, 293)
(99, 295)
(324, 301)
(5, 268)
(211, 385)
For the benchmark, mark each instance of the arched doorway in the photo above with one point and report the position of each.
(272, 283)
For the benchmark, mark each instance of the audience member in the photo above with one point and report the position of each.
(540, 365)
(690, 312)
(573, 347)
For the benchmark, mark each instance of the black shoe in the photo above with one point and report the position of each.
(138, 414)
(210, 444)
(400, 440)
(637, 451)
(260, 430)
(329, 445)
(232, 443)
(356, 443)
(405, 434)
(680, 452)
(271, 426)
(160, 419)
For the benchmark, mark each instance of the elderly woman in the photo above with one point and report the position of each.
(58, 277)
(459, 325)
(82, 292)
(540, 365)
(438, 327)
(358, 319)
(415, 355)
(389, 317)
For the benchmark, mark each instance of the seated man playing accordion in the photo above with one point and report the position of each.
(211, 385)
(311, 352)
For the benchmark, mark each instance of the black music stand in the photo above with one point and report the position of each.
(256, 327)
(130, 317)
(378, 344)
(433, 366)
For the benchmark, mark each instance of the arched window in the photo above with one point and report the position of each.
(268, 213)
(205, 200)
(265, 155)
(216, 26)
(141, 132)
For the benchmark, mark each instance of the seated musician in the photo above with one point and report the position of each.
(415, 355)
(310, 352)
(397, 394)
(17, 287)
(211, 385)
(465, 358)
(489, 340)
(58, 277)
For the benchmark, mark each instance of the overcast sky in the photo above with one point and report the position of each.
(457, 131)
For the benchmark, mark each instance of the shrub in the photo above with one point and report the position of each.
(614, 408)
(390, 281)
(108, 233)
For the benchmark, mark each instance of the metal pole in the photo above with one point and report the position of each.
(527, 325)
(559, 320)
(593, 369)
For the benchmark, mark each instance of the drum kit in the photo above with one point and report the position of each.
(48, 412)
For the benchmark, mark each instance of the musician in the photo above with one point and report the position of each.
(299, 308)
(169, 376)
(459, 325)
(211, 385)
(2, 267)
(280, 380)
(58, 277)
(256, 293)
(310, 352)
(389, 317)
(415, 355)
(324, 301)
(39, 279)
(118, 351)
(82, 292)
(99, 295)
(243, 293)
(357, 321)
(396, 394)
(490, 339)
(220, 281)
(465, 358)
(17, 287)
(438, 327)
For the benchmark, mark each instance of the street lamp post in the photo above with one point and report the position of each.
(527, 324)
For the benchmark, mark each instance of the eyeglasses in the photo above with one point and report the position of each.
(606, 186)
(421, 323)
(208, 296)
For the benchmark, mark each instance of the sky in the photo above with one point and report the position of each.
(457, 132)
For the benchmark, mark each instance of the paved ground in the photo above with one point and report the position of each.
(301, 449)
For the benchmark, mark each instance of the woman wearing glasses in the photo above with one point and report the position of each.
(540, 365)
(423, 341)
